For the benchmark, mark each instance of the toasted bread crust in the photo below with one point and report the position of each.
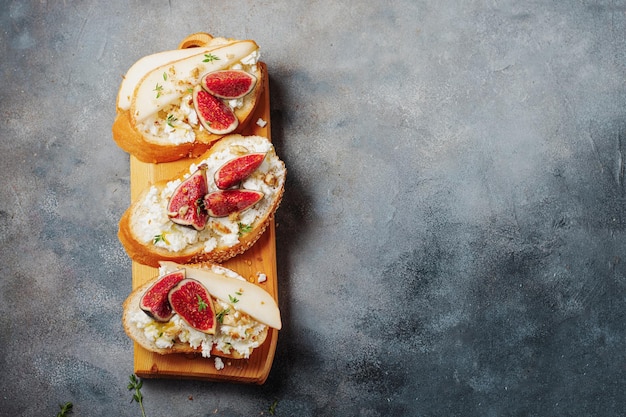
(148, 254)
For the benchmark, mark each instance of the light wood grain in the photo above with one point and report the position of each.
(260, 258)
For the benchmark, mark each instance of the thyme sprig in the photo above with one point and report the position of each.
(170, 120)
(65, 409)
(202, 305)
(136, 384)
(159, 89)
(210, 58)
(221, 314)
(244, 228)
(272, 409)
(160, 238)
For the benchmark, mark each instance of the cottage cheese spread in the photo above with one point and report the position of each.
(151, 224)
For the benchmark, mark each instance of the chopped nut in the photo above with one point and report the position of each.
(270, 179)
(220, 228)
(239, 149)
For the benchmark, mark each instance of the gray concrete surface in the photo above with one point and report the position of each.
(452, 237)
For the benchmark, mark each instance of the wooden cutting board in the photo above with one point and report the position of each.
(260, 258)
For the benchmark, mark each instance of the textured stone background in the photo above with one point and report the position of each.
(451, 241)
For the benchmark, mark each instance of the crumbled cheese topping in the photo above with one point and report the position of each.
(238, 332)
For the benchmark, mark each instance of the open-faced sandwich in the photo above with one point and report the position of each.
(204, 308)
(214, 211)
(174, 104)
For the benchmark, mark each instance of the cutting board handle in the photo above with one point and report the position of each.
(195, 40)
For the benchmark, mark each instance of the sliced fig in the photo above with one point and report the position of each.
(215, 115)
(238, 169)
(222, 203)
(154, 301)
(185, 206)
(193, 303)
(228, 84)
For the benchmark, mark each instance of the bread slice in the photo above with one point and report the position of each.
(156, 90)
(149, 236)
(236, 337)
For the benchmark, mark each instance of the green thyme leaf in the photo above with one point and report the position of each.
(65, 409)
(244, 228)
(171, 119)
(201, 304)
(200, 207)
(159, 89)
(165, 76)
(210, 58)
(221, 314)
(233, 299)
(160, 238)
(272, 409)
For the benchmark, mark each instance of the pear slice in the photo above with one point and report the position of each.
(228, 286)
(146, 64)
(168, 83)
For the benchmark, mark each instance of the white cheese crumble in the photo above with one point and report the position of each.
(219, 364)
(152, 226)
(261, 277)
(261, 123)
(251, 59)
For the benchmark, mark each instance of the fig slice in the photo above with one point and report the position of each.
(237, 170)
(228, 84)
(185, 207)
(215, 115)
(222, 203)
(193, 303)
(154, 302)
